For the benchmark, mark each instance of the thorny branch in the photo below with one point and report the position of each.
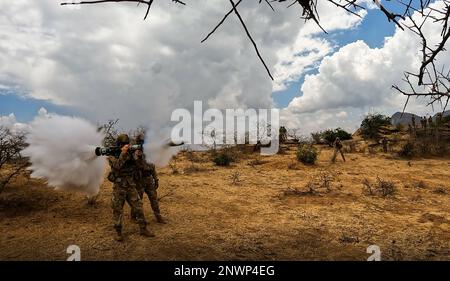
(434, 83)
(431, 82)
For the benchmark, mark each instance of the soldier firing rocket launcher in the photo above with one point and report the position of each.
(115, 150)
(122, 140)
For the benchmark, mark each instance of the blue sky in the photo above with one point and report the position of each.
(25, 109)
(373, 30)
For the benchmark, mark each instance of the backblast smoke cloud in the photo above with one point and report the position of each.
(61, 151)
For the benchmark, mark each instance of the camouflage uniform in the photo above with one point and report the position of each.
(123, 175)
(147, 182)
(337, 148)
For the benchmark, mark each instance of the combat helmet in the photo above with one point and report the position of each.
(139, 139)
(122, 139)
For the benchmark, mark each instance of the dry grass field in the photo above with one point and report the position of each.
(260, 208)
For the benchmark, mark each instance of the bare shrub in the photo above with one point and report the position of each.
(325, 179)
(320, 183)
(12, 163)
(440, 190)
(235, 178)
(383, 188)
(174, 167)
(111, 132)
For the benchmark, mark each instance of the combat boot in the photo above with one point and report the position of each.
(145, 232)
(160, 219)
(133, 218)
(119, 236)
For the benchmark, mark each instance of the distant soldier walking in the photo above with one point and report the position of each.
(123, 171)
(337, 148)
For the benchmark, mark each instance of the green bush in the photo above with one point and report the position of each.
(407, 150)
(329, 136)
(372, 123)
(307, 154)
(223, 157)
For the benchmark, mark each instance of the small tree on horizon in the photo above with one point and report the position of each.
(372, 123)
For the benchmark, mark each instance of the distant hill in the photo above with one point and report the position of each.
(405, 119)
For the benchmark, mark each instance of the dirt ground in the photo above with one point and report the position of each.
(251, 210)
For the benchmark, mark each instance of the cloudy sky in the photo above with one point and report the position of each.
(103, 62)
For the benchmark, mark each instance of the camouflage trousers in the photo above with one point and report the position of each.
(336, 150)
(150, 190)
(124, 190)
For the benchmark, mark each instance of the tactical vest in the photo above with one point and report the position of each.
(128, 169)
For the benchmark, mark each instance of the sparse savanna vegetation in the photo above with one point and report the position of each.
(391, 190)
(238, 200)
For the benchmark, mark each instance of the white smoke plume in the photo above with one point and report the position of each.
(160, 151)
(61, 151)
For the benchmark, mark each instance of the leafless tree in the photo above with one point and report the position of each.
(294, 134)
(433, 82)
(11, 161)
(110, 131)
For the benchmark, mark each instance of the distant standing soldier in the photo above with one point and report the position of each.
(148, 182)
(385, 142)
(283, 134)
(123, 171)
(413, 122)
(438, 119)
(430, 124)
(337, 148)
(423, 122)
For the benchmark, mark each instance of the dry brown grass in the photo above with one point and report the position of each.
(209, 218)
